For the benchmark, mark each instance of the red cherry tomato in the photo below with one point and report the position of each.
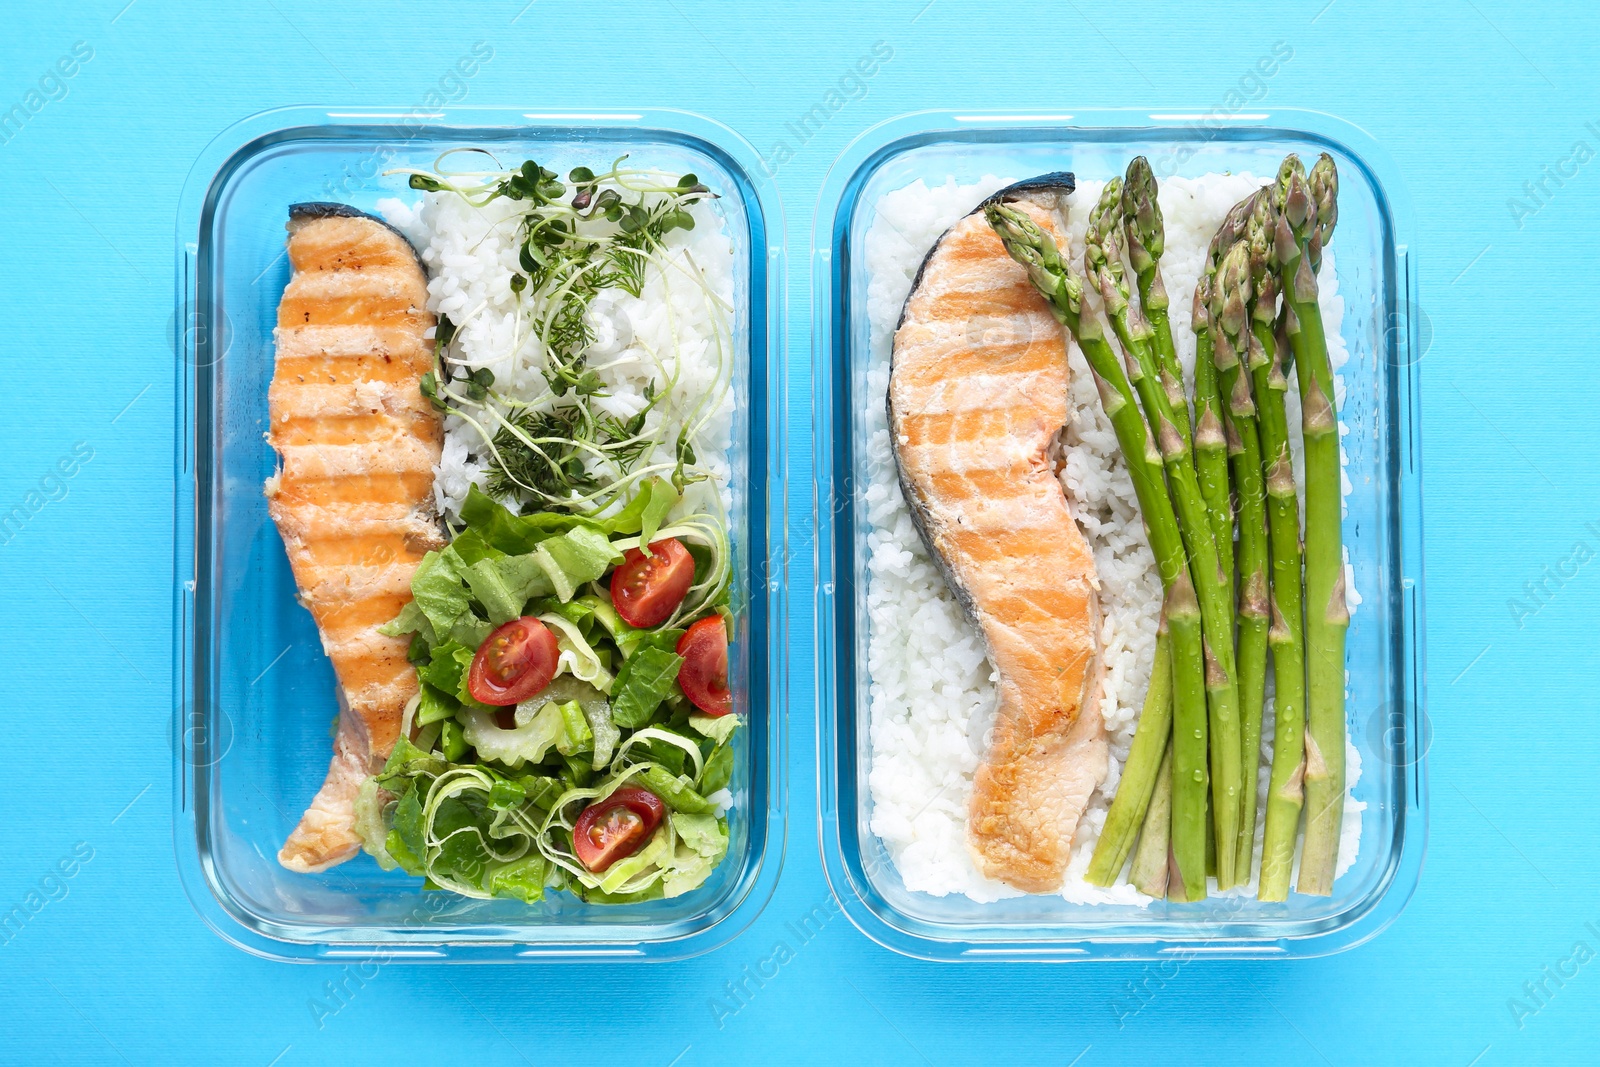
(513, 663)
(646, 590)
(704, 674)
(616, 827)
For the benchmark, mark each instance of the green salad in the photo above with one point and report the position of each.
(485, 798)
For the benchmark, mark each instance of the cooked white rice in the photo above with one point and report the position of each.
(680, 324)
(932, 689)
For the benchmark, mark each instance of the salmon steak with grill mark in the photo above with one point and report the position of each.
(357, 443)
(977, 398)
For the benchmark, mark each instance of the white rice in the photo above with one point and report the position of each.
(680, 323)
(932, 688)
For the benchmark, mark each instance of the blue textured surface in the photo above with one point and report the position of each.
(1475, 102)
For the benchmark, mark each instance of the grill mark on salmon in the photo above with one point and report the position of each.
(977, 397)
(353, 494)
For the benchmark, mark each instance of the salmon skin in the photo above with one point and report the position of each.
(977, 398)
(357, 443)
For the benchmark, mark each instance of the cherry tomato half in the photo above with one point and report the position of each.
(514, 662)
(616, 827)
(704, 674)
(646, 590)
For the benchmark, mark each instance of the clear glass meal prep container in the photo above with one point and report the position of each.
(1382, 532)
(255, 699)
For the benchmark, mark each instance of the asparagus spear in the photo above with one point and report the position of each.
(1146, 240)
(1149, 871)
(1307, 210)
(1051, 274)
(1230, 310)
(1210, 441)
(1210, 444)
(1284, 793)
(1103, 262)
(1150, 742)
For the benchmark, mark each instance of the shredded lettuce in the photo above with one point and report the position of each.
(578, 657)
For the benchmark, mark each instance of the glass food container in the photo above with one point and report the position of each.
(255, 698)
(1382, 532)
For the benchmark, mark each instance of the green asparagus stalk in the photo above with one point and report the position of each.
(1210, 443)
(1285, 791)
(1210, 440)
(1235, 354)
(1036, 250)
(1150, 864)
(1150, 742)
(1307, 210)
(1145, 233)
(1103, 262)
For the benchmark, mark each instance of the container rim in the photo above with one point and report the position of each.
(842, 865)
(768, 507)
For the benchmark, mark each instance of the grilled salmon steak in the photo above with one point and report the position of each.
(353, 495)
(977, 397)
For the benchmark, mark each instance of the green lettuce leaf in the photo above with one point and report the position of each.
(411, 620)
(667, 754)
(646, 511)
(471, 545)
(718, 771)
(435, 704)
(408, 825)
(397, 849)
(630, 640)
(704, 834)
(370, 824)
(470, 631)
(542, 791)
(507, 793)
(503, 584)
(437, 591)
(515, 535)
(443, 669)
(702, 842)
(578, 556)
(406, 759)
(522, 879)
(717, 727)
(675, 790)
(642, 684)
(451, 740)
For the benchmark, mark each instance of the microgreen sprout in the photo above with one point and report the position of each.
(596, 231)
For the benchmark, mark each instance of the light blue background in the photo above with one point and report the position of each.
(1473, 101)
